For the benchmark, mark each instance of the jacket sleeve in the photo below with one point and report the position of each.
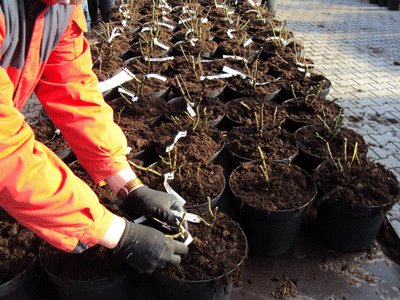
(69, 92)
(36, 187)
(39, 190)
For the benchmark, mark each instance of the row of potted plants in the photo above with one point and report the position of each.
(230, 134)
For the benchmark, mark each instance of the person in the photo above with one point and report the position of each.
(85, 8)
(43, 50)
(105, 10)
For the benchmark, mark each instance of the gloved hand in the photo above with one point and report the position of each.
(148, 249)
(152, 203)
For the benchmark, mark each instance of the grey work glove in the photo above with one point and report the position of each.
(148, 249)
(152, 203)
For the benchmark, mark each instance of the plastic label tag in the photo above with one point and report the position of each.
(114, 34)
(170, 176)
(119, 78)
(158, 58)
(166, 25)
(251, 10)
(156, 42)
(193, 41)
(177, 137)
(218, 76)
(229, 33)
(233, 72)
(128, 150)
(190, 110)
(248, 42)
(234, 57)
(189, 238)
(156, 76)
(188, 217)
(132, 95)
(181, 21)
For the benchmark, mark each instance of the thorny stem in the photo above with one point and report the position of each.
(177, 122)
(119, 115)
(256, 120)
(279, 128)
(294, 94)
(263, 167)
(245, 105)
(146, 169)
(274, 117)
(213, 214)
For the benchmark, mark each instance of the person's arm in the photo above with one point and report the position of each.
(68, 90)
(38, 189)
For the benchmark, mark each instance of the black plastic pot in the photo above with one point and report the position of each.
(383, 3)
(346, 228)
(393, 4)
(229, 94)
(120, 286)
(19, 288)
(307, 161)
(373, 1)
(271, 5)
(67, 156)
(174, 289)
(271, 234)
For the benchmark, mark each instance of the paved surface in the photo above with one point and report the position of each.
(355, 44)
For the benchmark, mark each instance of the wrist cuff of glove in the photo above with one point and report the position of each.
(127, 188)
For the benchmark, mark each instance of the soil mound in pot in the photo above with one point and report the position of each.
(288, 187)
(276, 143)
(211, 255)
(364, 185)
(194, 182)
(18, 247)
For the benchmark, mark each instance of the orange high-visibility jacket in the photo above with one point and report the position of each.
(43, 50)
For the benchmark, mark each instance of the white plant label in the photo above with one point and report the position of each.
(161, 45)
(248, 42)
(187, 33)
(158, 58)
(234, 57)
(251, 10)
(218, 76)
(114, 33)
(188, 217)
(166, 25)
(134, 98)
(177, 137)
(193, 41)
(156, 76)
(190, 110)
(170, 176)
(233, 72)
(189, 238)
(229, 33)
(128, 150)
(118, 79)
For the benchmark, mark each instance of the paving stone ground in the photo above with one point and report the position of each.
(355, 44)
